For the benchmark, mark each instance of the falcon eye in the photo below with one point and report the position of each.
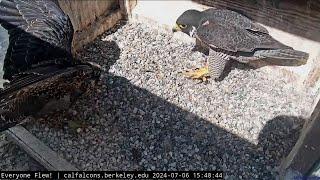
(182, 26)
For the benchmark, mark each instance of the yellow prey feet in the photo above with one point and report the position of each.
(199, 73)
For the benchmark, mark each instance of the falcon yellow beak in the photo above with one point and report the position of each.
(176, 28)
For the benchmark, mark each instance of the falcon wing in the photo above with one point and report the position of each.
(38, 30)
(17, 101)
(27, 78)
(234, 39)
(224, 16)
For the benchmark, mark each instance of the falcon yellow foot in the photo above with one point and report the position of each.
(199, 73)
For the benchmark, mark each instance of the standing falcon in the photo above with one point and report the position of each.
(38, 63)
(226, 35)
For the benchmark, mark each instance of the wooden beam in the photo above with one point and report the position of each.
(313, 76)
(90, 18)
(126, 7)
(97, 28)
(38, 150)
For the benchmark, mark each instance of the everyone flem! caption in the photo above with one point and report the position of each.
(111, 175)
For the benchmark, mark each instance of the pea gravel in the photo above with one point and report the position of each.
(12, 158)
(145, 115)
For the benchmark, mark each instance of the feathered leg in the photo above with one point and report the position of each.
(214, 68)
(217, 62)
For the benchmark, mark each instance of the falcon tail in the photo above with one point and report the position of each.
(288, 55)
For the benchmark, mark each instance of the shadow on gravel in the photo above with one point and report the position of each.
(283, 132)
(105, 53)
(160, 135)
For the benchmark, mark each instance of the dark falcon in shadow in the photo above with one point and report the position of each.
(43, 75)
(224, 34)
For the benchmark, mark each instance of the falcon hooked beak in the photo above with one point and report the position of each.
(187, 23)
(176, 28)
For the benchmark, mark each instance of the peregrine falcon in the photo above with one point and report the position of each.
(226, 35)
(39, 62)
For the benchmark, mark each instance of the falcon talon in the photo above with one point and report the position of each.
(199, 73)
(203, 80)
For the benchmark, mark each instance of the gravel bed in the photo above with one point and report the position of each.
(146, 116)
(12, 158)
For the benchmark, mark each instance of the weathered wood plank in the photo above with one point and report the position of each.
(83, 13)
(90, 18)
(298, 17)
(313, 77)
(97, 28)
(38, 150)
(127, 6)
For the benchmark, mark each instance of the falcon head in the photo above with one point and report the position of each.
(188, 21)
